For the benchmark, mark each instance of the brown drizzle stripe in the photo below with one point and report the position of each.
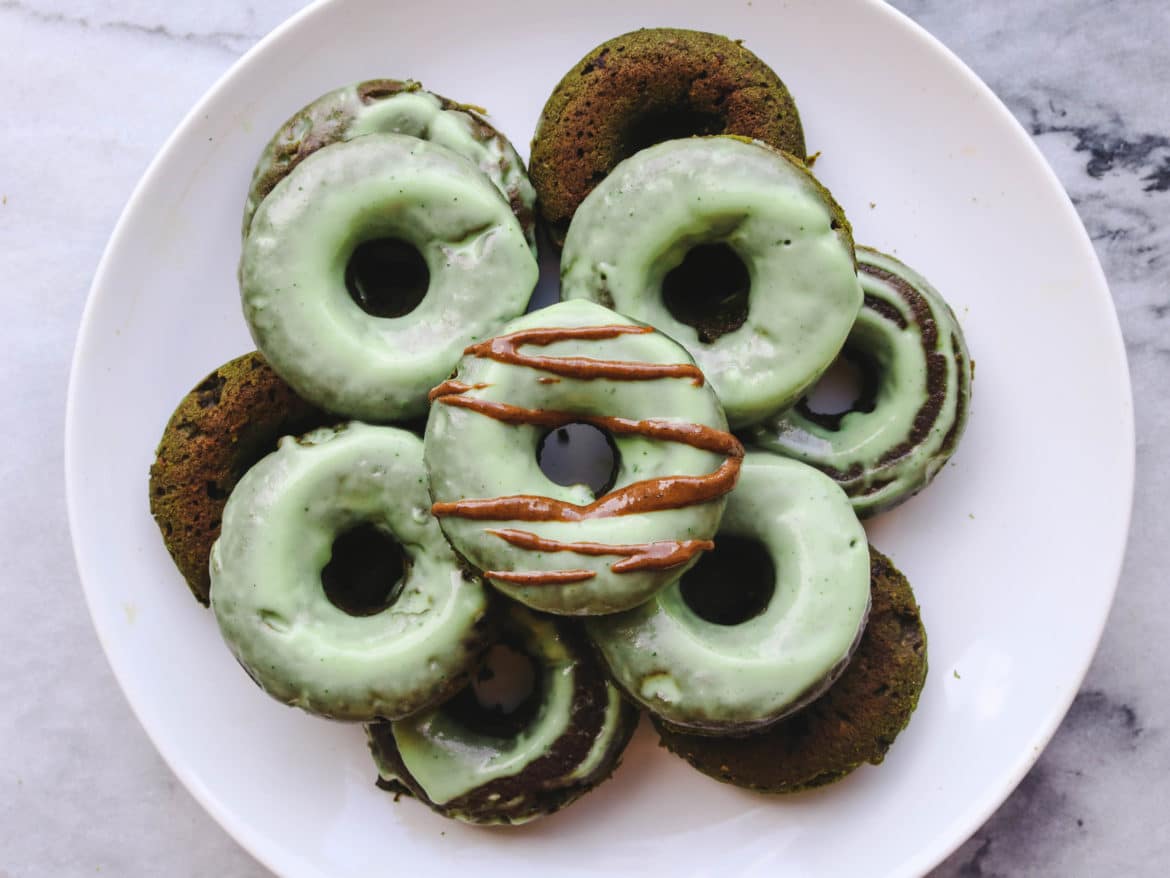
(696, 435)
(540, 577)
(659, 555)
(505, 349)
(452, 386)
(651, 495)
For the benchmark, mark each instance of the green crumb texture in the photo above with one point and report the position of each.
(855, 722)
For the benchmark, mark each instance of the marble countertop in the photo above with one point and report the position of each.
(93, 87)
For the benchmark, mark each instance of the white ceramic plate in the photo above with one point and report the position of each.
(1014, 552)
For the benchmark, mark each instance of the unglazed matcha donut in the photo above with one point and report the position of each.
(391, 106)
(381, 187)
(281, 528)
(715, 678)
(561, 549)
(566, 738)
(856, 721)
(731, 248)
(897, 437)
(640, 89)
(230, 420)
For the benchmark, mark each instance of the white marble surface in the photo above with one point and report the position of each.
(92, 88)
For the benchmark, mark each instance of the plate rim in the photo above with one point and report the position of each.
(268, 851)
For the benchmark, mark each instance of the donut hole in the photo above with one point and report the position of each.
(708, 290)
(387, 277)
(365, 572)
(579, 454)
(732, 583)
(850, 384)
(504, 695)
(669, 123)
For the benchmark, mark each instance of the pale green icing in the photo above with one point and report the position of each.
(278, 530)
(853, 453)
(448, 760)
(470, 455)
(343, 115)
(641, 220)
(292, 272)
(710, 677)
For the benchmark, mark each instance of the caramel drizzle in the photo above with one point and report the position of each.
(660, 555)
(451, 386)
(540, 577)
(506, 349)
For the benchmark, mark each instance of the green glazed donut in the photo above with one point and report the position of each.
(731, 248)
(561, 549)
(916, 393)
(280, 529)
(293, 270)
(855, 722)
(564, 740)
(391, 106)
(714, 678)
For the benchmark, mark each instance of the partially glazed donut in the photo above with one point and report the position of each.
(563, 549)
(698, 670)
(560, 743)
(392, 106)
(271, 569)
(897, 437)
(308, 315)
(855, 722)
(230, 420)
(731, 248)
(643, 88)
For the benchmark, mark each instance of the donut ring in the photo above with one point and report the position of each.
(559, 548)
(855, 722)
(759, 209)
(230, 420)
(572, 733)
(392, 106)
(897, 438)
(279, 528)
(714, 678)
(293, 266)
(642, 88)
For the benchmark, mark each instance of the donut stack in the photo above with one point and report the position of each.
(368, 504)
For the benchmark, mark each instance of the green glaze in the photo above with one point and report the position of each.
(394, 107)
(712, 678)
(292, 272)
(641, 221)
(278, 531)
(470, 455)
(884, 456)
(448, 761)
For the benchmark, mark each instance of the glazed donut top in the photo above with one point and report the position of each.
(390, 106)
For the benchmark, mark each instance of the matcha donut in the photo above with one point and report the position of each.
(643, 88)
(563, 548)
(301, 293)
(916, 390)
(731, 248)
(856, 721)
(391, 106)
(274, 572)
(491, 768)
(702, 671)
(230, 420)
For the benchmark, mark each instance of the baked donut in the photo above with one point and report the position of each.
(702, 661)
(916, 390)
(333, 585)
(856, 721)
(392, 106)
(731, 248)
(316, 313)
(643, 88)
(490, 767)
(230, 420)
(564, 548)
